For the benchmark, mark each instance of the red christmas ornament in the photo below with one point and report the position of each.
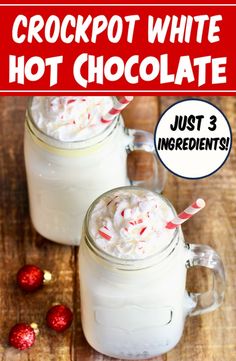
(59, 318)
(22, 336)
(30, 277)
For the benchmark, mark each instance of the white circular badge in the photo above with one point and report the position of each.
(193, 138)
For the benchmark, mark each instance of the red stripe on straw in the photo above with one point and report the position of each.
(170, 225)
(116, 109)
(186, 214)
(125, 100)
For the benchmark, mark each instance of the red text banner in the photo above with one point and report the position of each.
(118, 49)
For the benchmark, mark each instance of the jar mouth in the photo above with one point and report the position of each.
(74, 144)
(126, 263)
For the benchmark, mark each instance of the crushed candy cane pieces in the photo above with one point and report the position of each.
(105, 233)
(142, 230)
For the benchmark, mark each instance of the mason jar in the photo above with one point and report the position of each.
(136, 308)
(65, 177)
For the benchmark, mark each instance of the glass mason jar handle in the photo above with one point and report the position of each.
(205, 256)
(144, 141)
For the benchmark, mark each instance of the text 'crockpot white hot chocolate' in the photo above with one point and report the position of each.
(72, 156)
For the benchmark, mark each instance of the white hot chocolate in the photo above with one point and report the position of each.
(132, 275)
(71, 158)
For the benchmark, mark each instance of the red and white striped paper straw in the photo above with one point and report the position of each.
(186, 214)
(116, 109)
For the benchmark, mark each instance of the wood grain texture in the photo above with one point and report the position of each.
(207, 338)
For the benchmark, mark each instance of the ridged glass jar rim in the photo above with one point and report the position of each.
(129, 264)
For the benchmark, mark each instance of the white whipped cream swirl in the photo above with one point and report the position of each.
(130, 224)
(68, 118)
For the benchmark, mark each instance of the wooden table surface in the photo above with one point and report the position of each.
(211, 337)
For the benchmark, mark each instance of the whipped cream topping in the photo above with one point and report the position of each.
(130, 224)
(69, 118)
